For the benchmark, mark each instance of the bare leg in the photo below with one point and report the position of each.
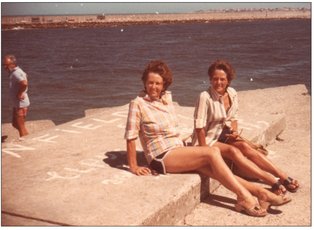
(14, 121)
(209, 162)
(262, 161)
(18, 121)
(259, 159)
(21, 126)
(246, 165)
(265, 197)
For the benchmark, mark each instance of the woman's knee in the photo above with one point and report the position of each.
(212, 153)
(244, 146)
(215, 150)
(247, 150)
(234, 153)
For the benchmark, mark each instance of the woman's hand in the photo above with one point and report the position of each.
(141, 171)
(21, 96)
(233, 136)
(131, 155)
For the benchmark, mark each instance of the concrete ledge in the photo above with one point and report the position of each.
(76, 173)
(16, 220)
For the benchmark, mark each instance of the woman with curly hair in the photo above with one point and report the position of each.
(215, 123)
(152, 118)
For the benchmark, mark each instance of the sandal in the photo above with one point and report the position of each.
(278, 201)
(290, 184)
(256, 210)
(278, 188)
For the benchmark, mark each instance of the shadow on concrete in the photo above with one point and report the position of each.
(221, 201)
(118, 159)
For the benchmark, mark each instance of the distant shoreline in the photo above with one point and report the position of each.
(74, 21)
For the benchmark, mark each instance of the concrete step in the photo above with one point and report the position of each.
(76, 173)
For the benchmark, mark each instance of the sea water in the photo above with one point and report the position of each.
(71, 70)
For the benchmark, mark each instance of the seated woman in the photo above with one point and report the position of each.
(152, 118)
(215, 123)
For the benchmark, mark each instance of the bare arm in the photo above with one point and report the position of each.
(201, 136)
(234, 126)
(132, 160)
(22, 87)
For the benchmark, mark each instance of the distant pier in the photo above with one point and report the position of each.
(11, 22)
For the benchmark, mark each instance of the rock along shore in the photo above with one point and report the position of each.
(73, 21)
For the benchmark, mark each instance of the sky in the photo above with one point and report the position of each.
(60, 8)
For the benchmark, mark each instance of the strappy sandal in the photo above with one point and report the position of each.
(290, 184)
(277, 188)
(256, 210)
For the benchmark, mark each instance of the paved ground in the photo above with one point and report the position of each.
(293, 154)
(76, 173)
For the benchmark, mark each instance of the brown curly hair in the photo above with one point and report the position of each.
(222, 65)
(161, 68)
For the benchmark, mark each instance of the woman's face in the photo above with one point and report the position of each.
(154, 85)
(219, 81)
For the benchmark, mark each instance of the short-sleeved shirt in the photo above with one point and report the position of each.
(16, 76)
(155, 122)
(211, 115)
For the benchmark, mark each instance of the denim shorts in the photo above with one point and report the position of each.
(158, 165)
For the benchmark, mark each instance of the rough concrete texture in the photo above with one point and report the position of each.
(32, 127)
(292, 154)
(76, 173)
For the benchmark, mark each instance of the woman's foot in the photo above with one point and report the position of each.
(278, 188)
(290, 184)
(267, 199)
(252, 208)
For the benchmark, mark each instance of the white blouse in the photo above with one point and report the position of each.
(211, 115)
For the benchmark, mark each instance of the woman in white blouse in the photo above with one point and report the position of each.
(215, 123)
(152, 119)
